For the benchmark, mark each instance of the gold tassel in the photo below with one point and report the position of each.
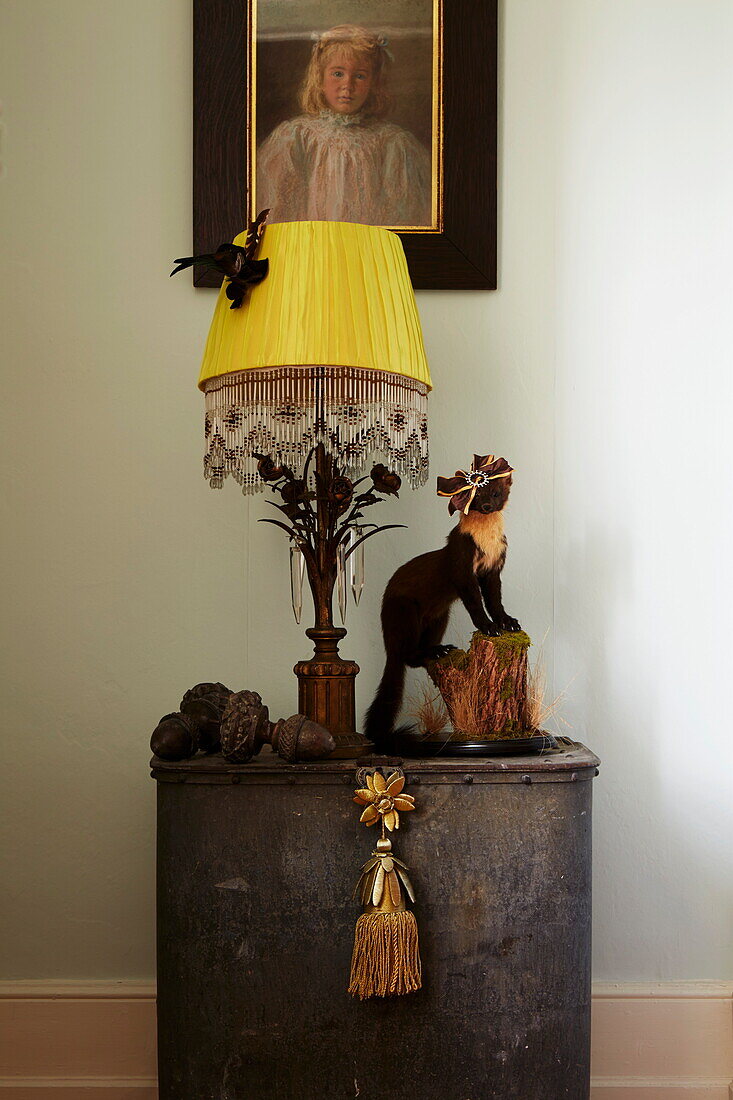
(386, 958)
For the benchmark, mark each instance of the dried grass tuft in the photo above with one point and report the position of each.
(539, 709)
(429, 712)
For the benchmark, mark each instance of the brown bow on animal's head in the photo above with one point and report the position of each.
(463, 486)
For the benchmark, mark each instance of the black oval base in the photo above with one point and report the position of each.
(516, 746)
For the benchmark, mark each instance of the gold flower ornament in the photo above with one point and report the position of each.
(383, 799)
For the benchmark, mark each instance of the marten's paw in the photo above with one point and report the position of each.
(436, 652)
(510, 625)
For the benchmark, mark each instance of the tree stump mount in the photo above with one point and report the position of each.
(484, 688)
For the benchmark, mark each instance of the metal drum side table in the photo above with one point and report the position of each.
(256, 868)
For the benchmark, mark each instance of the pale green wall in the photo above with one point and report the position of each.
(644, 469)
(126, 578)
(604, 354)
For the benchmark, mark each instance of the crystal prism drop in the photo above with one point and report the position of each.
(341, 588)
(356, 565)
(297, 565)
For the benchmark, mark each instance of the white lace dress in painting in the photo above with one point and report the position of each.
(344, 168)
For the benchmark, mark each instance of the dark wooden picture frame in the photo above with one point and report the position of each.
(460, 256)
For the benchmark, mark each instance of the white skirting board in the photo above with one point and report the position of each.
(660, 1041)
(96, 1041)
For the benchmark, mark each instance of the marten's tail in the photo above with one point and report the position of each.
(383, 711)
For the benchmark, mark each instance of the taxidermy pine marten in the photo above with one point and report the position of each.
(418, 598)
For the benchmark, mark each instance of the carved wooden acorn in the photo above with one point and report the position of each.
(205, 704)
(246, 727)
(195, 728)
(298, 738)
(176, 737)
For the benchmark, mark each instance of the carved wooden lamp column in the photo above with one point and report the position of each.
(320, 373)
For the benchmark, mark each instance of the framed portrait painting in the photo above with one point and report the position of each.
(373, 111)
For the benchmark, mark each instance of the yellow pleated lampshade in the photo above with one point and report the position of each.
(327, 348)
(336, 293)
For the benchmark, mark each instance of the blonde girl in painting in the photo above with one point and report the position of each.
(341, 160)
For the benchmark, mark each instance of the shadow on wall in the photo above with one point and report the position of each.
(643, 853)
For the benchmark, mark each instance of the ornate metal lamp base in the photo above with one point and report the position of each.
(324, 535)
(326, 692)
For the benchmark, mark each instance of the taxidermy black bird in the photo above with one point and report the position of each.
(236, 263)
(418, 598)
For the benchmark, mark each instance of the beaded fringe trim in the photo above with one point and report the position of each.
(386, 957)
(360, 415)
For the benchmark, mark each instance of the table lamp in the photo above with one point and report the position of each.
(319, 374)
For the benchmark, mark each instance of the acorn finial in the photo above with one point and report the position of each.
(176, 737)
(298, 738)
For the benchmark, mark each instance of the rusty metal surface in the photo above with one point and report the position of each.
(550, 767)
(256, 866)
